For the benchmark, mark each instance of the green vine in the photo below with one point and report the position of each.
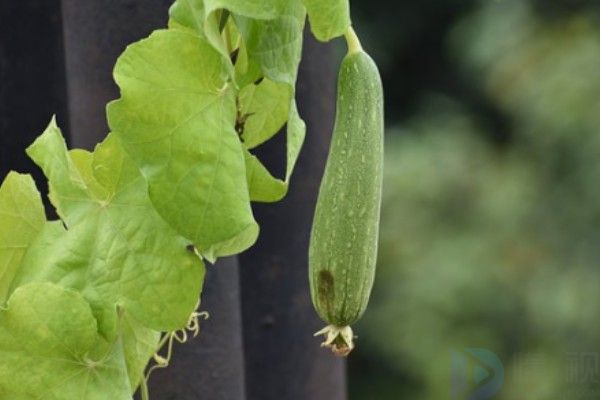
(90, 300)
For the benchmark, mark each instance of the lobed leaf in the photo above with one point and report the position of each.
(50, 349)
(176, 119)
(68, 191)
(119, 253)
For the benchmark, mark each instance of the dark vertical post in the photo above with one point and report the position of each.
(210, 366)
(283, 359)
(96, 33)
(31, 77)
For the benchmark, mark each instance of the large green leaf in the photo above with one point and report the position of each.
(118, 252)
(176, 118)
(50, 349)
(328, 18)
(21, 219)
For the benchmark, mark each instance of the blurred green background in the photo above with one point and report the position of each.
(490, 232)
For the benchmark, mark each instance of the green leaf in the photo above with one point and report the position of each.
(118, 252)
(272, 31)
(276, 44)
(263, 186)
(192, 13)
(64, 177)
(268, 105)
(328, 18)
(83, 162)
(247, 71)
(139, 345)
(272, 47)
(262, 9)
(21, 218)
(296, 132)
(176, 119)
(189, 14)
(50, 349)
(266, 108)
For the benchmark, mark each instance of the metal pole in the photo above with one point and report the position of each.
(283, 359)
(96, 32)
(31, 78)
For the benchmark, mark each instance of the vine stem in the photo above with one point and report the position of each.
(163, 342)
(145, 394)
(353, 41)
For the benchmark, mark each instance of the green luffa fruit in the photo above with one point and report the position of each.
(343, 245)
